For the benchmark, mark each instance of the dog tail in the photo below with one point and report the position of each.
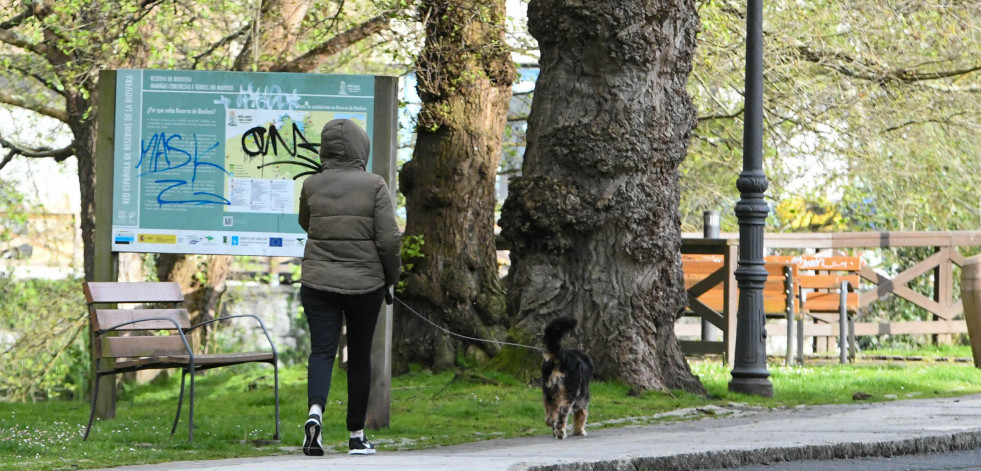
(554, 332)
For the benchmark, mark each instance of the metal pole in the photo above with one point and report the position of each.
(711, 229)
(711, 225)
(749, 373)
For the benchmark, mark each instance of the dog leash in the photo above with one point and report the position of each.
(447, 331)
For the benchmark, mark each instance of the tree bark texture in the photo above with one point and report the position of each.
(464, 79)
(84, 132)
(593, 223)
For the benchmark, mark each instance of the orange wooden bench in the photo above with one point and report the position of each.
(705, 279)
(827, 293)
(160, 327)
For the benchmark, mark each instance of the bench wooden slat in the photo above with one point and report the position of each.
(142, 346)
(776, 268)
(773, 285)
(829, 302)
(813, 262)
(827, 281)
(107, 318)
(134, 292)
(222, 358)
(714, 281)
(771, 305)
(138, 364)
(712, 258)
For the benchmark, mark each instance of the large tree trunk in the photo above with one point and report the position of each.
(86, 177)
(84, 133)
(464, 79)
(593, 223)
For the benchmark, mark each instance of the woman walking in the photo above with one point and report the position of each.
(350, 262)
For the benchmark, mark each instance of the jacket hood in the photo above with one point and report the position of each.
(343, 144)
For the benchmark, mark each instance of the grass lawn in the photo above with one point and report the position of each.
(234, 408)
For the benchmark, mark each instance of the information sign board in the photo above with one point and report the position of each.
(213, 162)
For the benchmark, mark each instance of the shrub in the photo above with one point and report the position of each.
(43, 338)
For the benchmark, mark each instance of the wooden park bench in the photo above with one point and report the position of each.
(828, 293)
(158, 328)
(711, 299)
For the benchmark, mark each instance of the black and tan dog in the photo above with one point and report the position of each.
(565, 380)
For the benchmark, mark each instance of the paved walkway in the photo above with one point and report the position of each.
(746, 437)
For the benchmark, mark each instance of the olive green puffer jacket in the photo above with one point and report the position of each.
(353, 239)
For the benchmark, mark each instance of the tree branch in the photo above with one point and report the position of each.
(49, 111)
(227, 39)
(44, 81)
(916, 76)
(7, 158)
(879, 75)
(953, 89)
(945, 120)
(721, 116)
(17, 19)
(13, 39)
(319, 54)
(36, 153)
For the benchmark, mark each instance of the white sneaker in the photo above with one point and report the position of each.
(312, 443)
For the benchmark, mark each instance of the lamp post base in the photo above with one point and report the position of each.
(754, 386)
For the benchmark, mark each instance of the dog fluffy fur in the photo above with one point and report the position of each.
(565, 380)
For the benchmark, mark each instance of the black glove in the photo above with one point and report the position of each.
(389, 299)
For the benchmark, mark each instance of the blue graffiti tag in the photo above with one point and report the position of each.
(159, 151)
(161, 155)
(179, 183)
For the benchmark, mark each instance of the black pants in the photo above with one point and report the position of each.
(324, 311)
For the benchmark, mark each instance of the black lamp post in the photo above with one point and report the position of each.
(749, 373)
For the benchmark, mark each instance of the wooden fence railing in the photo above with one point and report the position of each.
(948, 250)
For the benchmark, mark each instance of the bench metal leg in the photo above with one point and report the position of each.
(800, 340)
(180, 402)
(843, 324)
(276, 393)
(843, 338)
(788, 288)
(95, 396)
(790, 339)
(190, 407)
